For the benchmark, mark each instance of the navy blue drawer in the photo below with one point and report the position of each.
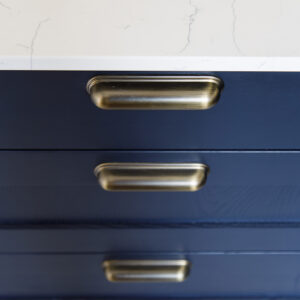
(59, 186)
(211, 275)
(52, 110)
(61, 261)
(113, 239)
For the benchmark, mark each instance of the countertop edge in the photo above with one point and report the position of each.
(152, 63)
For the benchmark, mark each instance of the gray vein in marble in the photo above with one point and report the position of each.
(22, 45)
(5, 6)
(127, 27)
(192, 18)
(34, 38)
(234, 21)
(280, 9)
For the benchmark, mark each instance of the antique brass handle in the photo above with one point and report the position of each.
(151, 176)
(146, 270)
(155, 92)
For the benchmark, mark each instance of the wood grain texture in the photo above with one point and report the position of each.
(42, 187)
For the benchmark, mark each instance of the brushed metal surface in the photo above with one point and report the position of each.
(151, 176)
(155, 92)
(146, 270)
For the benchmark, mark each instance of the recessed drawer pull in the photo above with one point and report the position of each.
(151, 176)
(146, 270)
(155, 92)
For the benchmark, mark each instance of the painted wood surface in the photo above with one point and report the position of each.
(211, 275)
(42, 187)
(52, 110)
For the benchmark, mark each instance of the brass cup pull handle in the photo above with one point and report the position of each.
(146, 270)
(151, 176)
(155, 92)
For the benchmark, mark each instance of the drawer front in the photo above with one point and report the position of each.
(115, 239)
(60, 187)
(211, 275)
(52, 110)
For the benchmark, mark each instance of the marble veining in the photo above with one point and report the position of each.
(204, 35)
(3, 5)
(191, 20)
(36, 32)
(234, 25)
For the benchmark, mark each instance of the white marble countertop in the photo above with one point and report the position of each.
(175, 35)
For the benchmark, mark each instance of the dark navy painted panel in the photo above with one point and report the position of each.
(51, 110)
(212, 275)
(60, 187)
(161, 239)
